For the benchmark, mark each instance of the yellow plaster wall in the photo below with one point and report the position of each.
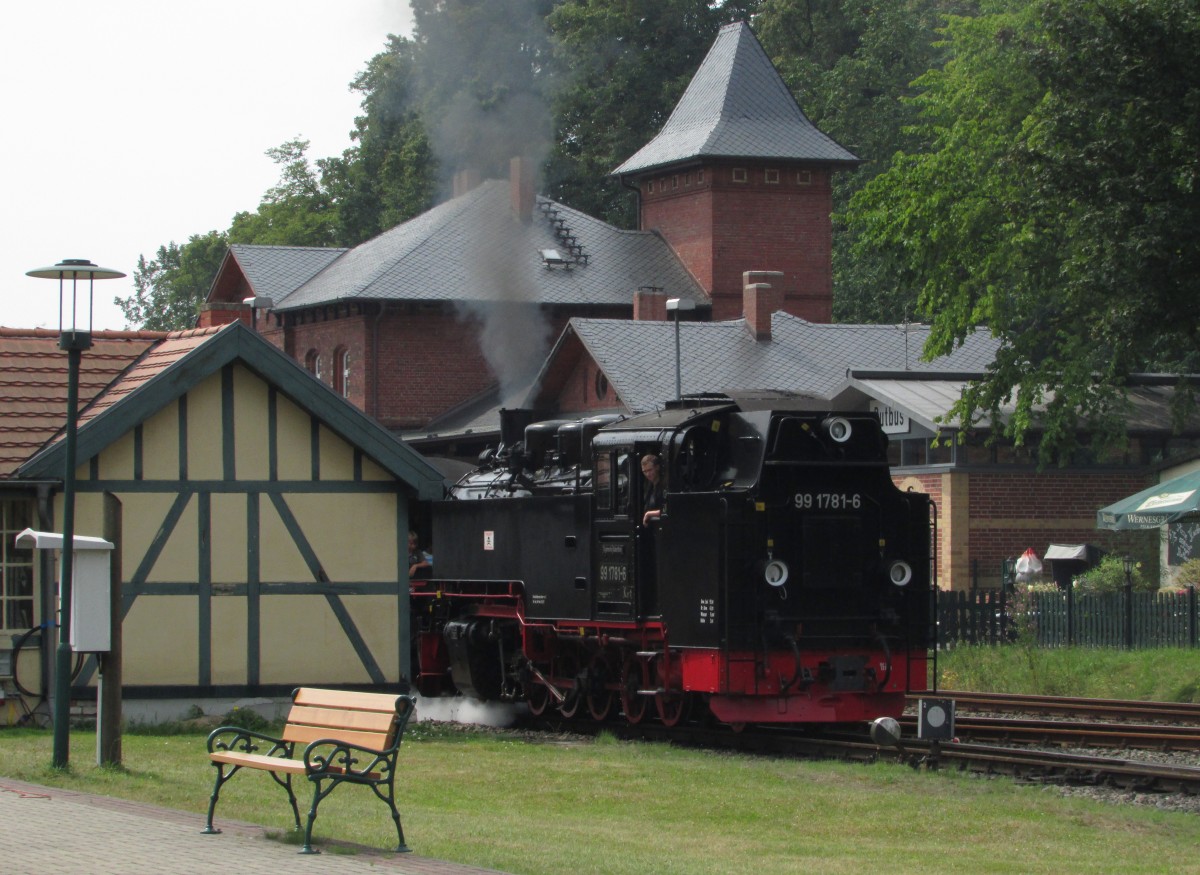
(229, 538)
(294, 441)
(354, 536)
(229, 623)
(371, 470)
(161, 641)
(116, 462)
(204, 430)
(160, 444)
(337, 456)
(302, 638)
(250, 420)
(281, 560)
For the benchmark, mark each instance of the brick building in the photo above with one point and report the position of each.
(435, 324)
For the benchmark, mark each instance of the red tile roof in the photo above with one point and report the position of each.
(33, 380)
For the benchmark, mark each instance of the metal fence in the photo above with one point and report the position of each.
(1057, 619)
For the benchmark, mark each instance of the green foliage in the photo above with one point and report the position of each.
(851, 66)
(169, 290)
(297, 211)
(1053, 207)
(246, 718)
(389, 176)
(1189, 573)
(1109, 576)
(624, 65)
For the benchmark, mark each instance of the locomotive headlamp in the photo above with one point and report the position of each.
(776, 572)
(838, 428)
(900, 572)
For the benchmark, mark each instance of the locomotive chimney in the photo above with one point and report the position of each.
(521, 188)
(650, 304)
(760, 300)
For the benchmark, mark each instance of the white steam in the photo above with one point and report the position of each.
(462, 710)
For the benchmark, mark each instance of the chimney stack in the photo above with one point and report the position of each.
(760, 299)
(464, 181)
(521, 188)
(650, 304)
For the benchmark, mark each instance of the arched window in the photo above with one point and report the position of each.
(312, 363)
(341, 372)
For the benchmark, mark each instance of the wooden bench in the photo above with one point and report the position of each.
(343, 738)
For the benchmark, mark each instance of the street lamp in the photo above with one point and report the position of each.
(1129, 563)
(675, 305)
(73, 339)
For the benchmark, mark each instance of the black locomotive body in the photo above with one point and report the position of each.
(787, 580)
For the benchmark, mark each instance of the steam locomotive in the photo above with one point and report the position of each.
(787, 581)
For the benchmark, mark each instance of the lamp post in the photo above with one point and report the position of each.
(73, 339)
(1128, 562)
(675, 305)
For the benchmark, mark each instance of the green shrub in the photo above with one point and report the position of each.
(1189, 574)
(246, 718)
(1109, 576)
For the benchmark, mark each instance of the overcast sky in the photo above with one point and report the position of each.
(131, 123)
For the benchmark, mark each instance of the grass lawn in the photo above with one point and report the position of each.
(603, 806)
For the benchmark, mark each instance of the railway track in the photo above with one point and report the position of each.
(1116, 709)
(1043, 755)
(1027, 731)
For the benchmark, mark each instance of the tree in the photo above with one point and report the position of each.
(1055, 207)
(170, 289)
(390, 175)
(296, 211)
(624, 64)
(851, 66)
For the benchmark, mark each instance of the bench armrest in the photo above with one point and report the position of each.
(235, 738)
(328, 756)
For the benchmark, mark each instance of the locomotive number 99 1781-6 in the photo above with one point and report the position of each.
(828, 501)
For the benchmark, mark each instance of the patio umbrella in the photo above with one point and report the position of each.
(1160, 504)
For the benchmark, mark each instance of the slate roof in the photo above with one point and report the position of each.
(276, 271)
(736, 106)
(33, 383)
(473, 250)
(802, 357)
(928, 398)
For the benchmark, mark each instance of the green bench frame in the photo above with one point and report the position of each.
(343, 738)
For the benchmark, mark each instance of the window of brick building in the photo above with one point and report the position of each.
(16, 566)
(803, 177)
(771, 177)
(312, 363)
(341, 372)
(739, 174)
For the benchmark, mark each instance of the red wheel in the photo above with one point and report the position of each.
(673, 708)
(538, 697)
(672, 702)
(600, 695)
(569, 707)
(635, 676)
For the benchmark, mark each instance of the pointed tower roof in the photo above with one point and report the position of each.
(736, 106)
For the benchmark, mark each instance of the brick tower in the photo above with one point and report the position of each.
(739, 179)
